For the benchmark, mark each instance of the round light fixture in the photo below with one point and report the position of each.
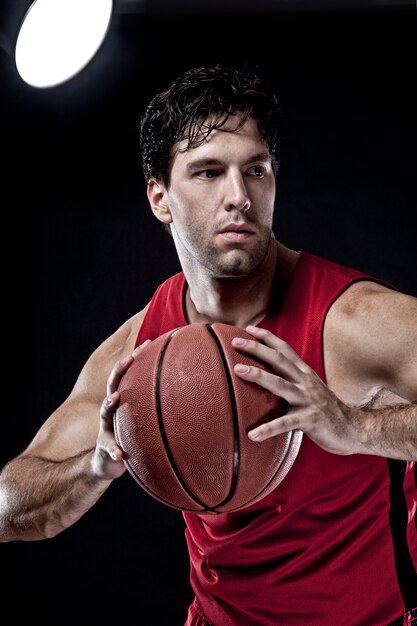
(58, 38)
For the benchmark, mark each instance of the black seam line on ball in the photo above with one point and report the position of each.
(236, 449)
(283, 460)
(163, 432)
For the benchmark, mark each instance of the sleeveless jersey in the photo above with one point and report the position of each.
(335, 544)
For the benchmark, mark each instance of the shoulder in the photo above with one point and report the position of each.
(73, 426)
(370, 336)
(367, 302)
(117, 346)
(122, 342)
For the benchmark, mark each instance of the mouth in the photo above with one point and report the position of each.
(236, 232)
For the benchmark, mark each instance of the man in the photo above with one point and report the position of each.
(336, 542)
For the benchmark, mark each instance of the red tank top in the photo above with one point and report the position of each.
(335, 544)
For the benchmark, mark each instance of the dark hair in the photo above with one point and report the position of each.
(198, 102)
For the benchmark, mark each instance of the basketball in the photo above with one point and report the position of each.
(183, 419)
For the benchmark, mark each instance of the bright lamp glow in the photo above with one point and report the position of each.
(59, 37)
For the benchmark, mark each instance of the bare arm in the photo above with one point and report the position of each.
(74, 457)
(371, 362)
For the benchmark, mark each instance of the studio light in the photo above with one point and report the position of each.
(58, 38)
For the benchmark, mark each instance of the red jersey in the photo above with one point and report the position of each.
(335, 544)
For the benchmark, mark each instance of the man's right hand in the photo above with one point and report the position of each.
(108, 456)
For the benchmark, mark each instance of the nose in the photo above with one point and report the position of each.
(236, 196)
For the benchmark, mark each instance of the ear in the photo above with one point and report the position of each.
(158, 199)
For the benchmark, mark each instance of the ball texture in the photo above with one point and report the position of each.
(183, 419)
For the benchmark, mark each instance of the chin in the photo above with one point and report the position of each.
(236, 262)
(235, 268)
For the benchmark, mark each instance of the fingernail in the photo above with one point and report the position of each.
(238, 341)
(254, 434)
(251, 328)
(109, 400)
(242, 369)
(113, 456)
(125, 361)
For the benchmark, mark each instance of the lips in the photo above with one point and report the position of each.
(236, 233)
(236, 228)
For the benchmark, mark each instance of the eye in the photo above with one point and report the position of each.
(256, 170)
(208, 174)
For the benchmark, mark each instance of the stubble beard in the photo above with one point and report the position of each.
(237, 262)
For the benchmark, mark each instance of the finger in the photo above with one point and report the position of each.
(139, 349)
(108, 407)
(276, 343)
(109, 448)
(276, 427)
(108, 443)
(117, 374)
(274, 357)
(120, 369)
(272, 382)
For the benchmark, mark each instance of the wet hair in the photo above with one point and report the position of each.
(198, 102)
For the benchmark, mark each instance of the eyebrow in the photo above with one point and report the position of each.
(200, 164)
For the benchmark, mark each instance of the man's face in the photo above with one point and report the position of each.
(221, 201)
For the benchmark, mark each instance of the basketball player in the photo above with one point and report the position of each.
(336, 543)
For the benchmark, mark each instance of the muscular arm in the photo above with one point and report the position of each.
(41, 497)
(371, 365)
(74, 457)
(390, 431)
(368, 405)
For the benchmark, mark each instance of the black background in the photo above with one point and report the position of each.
(82, 251)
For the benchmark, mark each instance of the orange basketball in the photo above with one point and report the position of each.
(183, 420)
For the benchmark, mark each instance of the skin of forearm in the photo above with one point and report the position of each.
(40, 498)
(390, 432)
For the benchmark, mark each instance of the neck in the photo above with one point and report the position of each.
(238, 301)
